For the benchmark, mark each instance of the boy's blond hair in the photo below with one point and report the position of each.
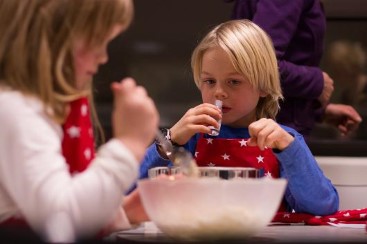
(36, 44)
(252, 55)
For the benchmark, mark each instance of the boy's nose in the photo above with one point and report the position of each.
(220, 93)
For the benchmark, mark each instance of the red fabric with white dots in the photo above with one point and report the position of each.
(78, 142)
(351, 216)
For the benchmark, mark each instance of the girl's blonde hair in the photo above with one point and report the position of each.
(36, 44)
(252, 54)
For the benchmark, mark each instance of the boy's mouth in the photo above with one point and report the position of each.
(225, 109)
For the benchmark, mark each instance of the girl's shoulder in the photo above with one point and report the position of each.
(16, 103)
(20, 111)
(24, 121)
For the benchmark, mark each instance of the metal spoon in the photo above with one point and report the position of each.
(165, 144)
(179, 156)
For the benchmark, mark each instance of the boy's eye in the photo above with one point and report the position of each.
(209, 81)
(234, 82)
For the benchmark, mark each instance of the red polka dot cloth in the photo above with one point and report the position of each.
(78, 143)
(353, 216)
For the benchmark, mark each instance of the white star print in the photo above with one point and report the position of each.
(196, 154)
(346, 214)
(225, 156)
(211, 164)
(332, 219)
(210, 140)
(287, 215)
(260, 159)
(73, 131)
(84, 110)
(243, 143)
(362, 215)
(87, 153)
(268, 174)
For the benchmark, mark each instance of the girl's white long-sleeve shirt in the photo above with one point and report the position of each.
(35, 182)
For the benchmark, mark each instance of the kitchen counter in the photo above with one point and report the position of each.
(275, 233)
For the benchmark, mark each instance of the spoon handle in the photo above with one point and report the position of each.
(179, 156)
(164, 143)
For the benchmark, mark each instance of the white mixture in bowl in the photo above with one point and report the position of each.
(230, 223)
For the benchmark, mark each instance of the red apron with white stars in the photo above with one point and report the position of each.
(77, 148)
(235, 153)
(78, 141)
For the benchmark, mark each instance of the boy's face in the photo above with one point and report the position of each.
(219, 80)
(88, 59)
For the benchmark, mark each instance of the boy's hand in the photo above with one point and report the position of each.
(267, 133)
(196, 120)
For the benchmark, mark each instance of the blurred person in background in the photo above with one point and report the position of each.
(346, 61)
(297, 29)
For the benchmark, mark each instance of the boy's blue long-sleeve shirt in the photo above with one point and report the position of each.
(308, 190)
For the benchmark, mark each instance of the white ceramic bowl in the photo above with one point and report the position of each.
(211, 208)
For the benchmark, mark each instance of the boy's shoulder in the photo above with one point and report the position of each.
(290, 130)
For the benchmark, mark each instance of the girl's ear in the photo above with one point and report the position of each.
(263, 94)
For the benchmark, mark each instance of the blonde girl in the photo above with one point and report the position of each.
(49, 52)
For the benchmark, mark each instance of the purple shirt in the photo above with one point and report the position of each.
(297, 29)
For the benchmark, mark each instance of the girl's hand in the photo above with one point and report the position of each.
(134, 117)
(267, 133)
(134, 208)
(196, 120)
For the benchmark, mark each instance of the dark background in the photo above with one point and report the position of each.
(156, 51)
